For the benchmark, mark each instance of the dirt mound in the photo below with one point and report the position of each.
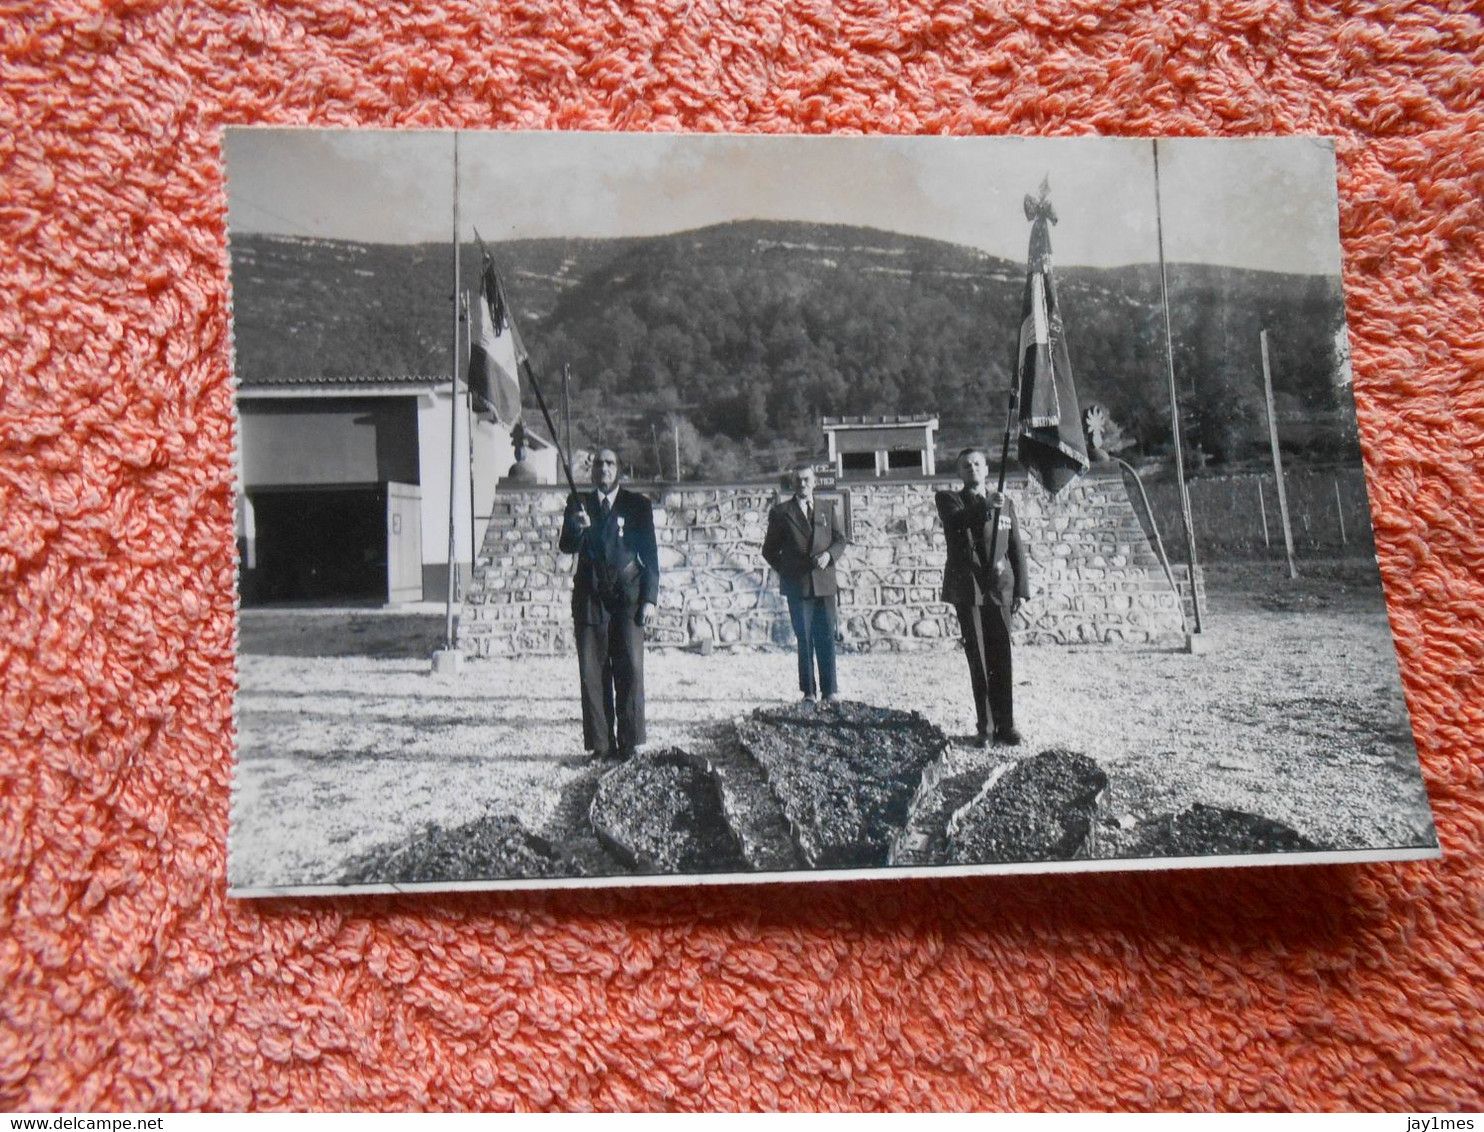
(491, 847)
(661, 812)
(844, 773)
(1038, 809)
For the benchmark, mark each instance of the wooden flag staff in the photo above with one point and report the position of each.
(994, 519)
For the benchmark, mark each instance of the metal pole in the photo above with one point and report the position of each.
(453, 408)
(1340, 511)
(1262, 509)
(1164, 292)
(1159, 543)
(1267, 385)
(675, 432)
(469, 406)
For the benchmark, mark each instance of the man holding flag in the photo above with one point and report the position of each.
(985, 579)
(985, 576)
(610, 530)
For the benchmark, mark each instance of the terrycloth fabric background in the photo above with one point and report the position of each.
(130, 981)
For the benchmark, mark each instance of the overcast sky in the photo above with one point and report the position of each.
(1266, 203)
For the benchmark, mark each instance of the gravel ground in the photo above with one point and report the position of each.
(1294, 713)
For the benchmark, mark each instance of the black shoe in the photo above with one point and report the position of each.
(1009, 737)
(981, 739)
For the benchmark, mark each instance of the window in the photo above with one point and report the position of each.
(904, 460)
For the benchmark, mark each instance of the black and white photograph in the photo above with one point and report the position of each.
(629, 509)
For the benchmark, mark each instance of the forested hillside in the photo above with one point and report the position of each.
(740, 336)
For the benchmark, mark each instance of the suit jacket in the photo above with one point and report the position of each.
(967, 577)
(792, 544)
(618, 565)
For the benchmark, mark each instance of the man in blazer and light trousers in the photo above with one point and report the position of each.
(803, 543)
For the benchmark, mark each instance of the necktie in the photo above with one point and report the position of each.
(603, 510)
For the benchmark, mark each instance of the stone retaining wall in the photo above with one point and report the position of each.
(1094, 577)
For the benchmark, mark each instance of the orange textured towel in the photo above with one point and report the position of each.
(127, 978)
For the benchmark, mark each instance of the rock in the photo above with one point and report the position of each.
(1203, 831)
(1039, 809)
(492, 848)
(844, 774)
(661, 812)
(889, 623)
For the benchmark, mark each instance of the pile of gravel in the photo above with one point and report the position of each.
(844, 773)
(485, 849)
(661, 812)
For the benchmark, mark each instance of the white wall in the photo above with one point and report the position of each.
(493, 455)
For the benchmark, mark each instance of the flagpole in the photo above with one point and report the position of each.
(1164, 292)
(453, 410)
(469, 413)
(994, 521)
(546, 413)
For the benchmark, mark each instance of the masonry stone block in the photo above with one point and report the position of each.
(889, 622)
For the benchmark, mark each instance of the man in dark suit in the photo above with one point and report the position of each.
(611, 531)
(984, 594)
(802, 544)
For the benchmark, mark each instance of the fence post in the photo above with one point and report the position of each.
(1267, 384)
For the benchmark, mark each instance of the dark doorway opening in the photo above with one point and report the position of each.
(318, 544)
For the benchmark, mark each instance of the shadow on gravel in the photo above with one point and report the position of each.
(339, 633)
(1343, 585)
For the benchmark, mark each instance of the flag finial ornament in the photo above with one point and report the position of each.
(1039, 206)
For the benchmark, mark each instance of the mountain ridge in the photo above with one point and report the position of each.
(752, 329)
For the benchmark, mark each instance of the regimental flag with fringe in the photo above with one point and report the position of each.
(495, 350)
(1051, 444)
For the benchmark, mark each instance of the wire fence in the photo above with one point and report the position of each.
(1237, 515)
